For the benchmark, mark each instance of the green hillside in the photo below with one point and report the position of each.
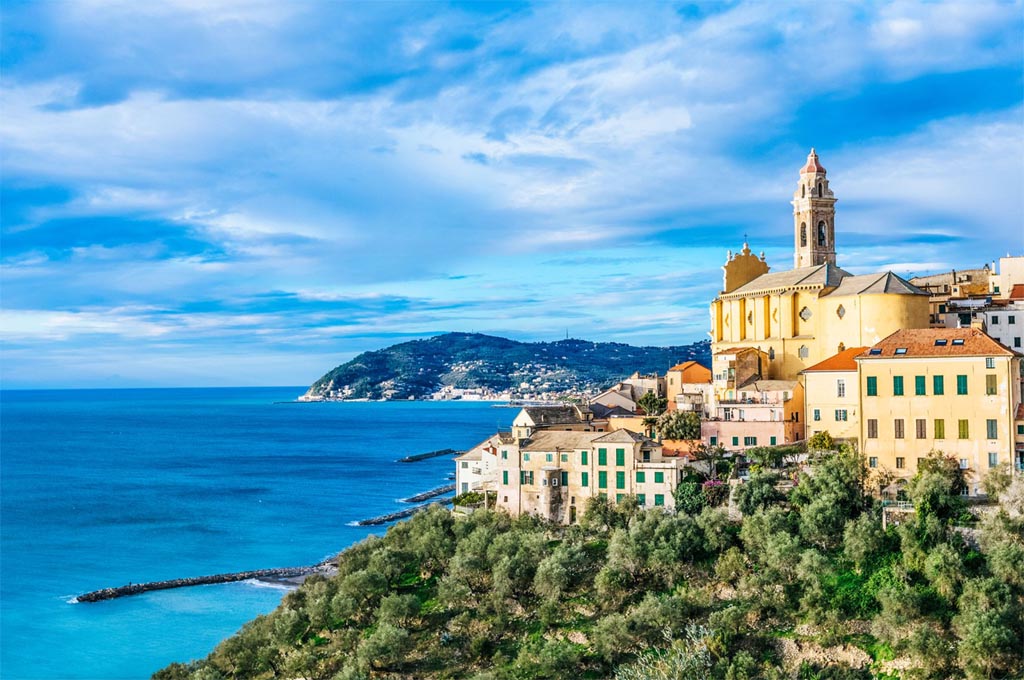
(472, 360)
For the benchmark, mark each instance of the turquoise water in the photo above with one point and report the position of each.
(104, 487)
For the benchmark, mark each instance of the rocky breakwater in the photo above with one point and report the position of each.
(282, 575)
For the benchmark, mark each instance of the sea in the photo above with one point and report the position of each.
(102, 488)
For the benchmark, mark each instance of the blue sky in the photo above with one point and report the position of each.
(249, 193)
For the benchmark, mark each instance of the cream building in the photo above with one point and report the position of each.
(952, 390)
(688, 387)
(831, 397)
(802, 316)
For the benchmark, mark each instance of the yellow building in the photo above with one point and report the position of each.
(832, 400)
(688, 387)
(953, 390)
(800, 317)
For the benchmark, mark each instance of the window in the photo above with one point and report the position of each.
(565, 457)
(1016, 342)
(1011, 319)
(963, 463)
(1020, 429)
(526, 458)
(961, 384)
(959, 341)
(620, 457)
(803, 225)
(919, 385)
(993, 459)
(735, 441)
(817, 414)
(585, 479)
(602, 456)
(897, 426)
(641, 499)
(992, 429)
(873, 461)
(822, 240)
(990, 384)
(875, 351)
(504, 477)
(995, 320)
(659, 477)
(602, 480)
(641, 477)
(990, 362)
(549, 457)
(526, 477)
(940, 428)
(504, 454)
(565, 479)
(921, 428)
(897, 385)
(964, 429)
(714, 441)
(938, 385)
(465, 465)
(840, 415)
(750, 441)
(583, 457)
(840, 388)
(659, 499)
(620, 480)
(773, 440)
(901, 462)
(872, 428)
(900, 351)
(941, 342)
(872, 386)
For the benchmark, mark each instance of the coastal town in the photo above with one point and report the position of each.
(814, 356)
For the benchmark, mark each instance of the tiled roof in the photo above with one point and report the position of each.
(559, 440)
(1017, 292)
(693, 372)
(868, 284)
(844, 361)
(553, 415)
(936, 342)
(822, 275)
(603, 411)
(1020, 412)
(622, 437)
(813, 165)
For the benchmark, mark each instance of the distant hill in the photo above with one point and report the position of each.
(419, 368)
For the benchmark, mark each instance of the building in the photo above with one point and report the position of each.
(553, 473)
(568, 418)
(801, 317)
(763, 413)
(476, 469)
(1001, 319)
(688, 387)
(1008, 277)
(831, 398)
(952, 390)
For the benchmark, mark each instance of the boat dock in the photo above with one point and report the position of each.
(429, 494)
(429, 454)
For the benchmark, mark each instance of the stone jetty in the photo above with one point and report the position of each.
(429, 454)
(429, 494)
(400, 514)
(284, 573)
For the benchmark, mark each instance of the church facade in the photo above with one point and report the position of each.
(800, 317)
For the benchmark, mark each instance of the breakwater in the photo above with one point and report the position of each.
(429, 494)
(263, 574)
(429, 454)
(399, 514)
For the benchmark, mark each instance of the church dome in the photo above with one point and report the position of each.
(813, 166)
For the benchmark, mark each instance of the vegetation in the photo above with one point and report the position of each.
(679, 425)
(471, 360)
(806, 586)
(652, 404)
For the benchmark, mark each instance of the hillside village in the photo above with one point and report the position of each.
(810, 357)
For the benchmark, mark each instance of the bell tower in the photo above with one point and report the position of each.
(814, 217)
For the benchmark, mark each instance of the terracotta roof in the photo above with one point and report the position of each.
(936, 342)
(839, 362)
(556, 440)
(693, 372)
(812, 164)
(1020, 412)
(1017, 292)
(623, 436)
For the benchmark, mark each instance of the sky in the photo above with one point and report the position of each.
(249, 193)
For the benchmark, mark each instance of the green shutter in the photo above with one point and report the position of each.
(504, 477)
(872, 386)
(773, 440)
(602, 456)
(938, 385)
(641, 499)
(640, 477)
(620, 457)
(620, 480)
(565, 479)
(583, 457)
(659, 499)
(919, 385)
(585, 479)
(602, 480)
(735, 441)
(659, 477)
(897, 385)
(619, 497)
(961, 384)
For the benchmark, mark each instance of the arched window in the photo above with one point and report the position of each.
(803, 190)
(819, 190)
(822, 240)
(803, 234)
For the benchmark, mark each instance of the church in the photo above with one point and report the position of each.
(799, 317)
